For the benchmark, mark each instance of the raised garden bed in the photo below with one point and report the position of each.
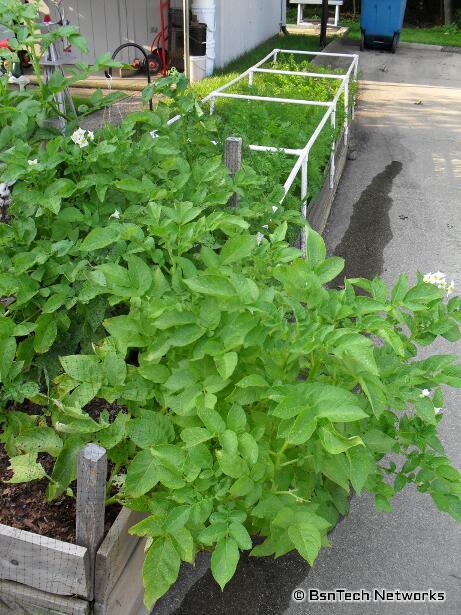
(319, 208)
(49, 575)
(293, 116)
(43, 575)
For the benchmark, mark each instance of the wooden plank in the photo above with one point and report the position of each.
(318, 210)
(17, 599)
(112, 25)
(131, 9)
(124, 56)
(140, 26)
(44, 563)
(86, 25)
(114, 553)
(100, 25)
(127, 596)
(153, 19)
(233, 161)
(73, 15)
(91, 497)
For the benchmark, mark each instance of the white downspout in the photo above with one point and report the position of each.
(283, 15)
(185, 10)
(205, 10)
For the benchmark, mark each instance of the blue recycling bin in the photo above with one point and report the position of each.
(381, 22)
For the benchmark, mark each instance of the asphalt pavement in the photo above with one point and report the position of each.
(398, 208)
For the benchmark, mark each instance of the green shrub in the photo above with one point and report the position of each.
(457, 20)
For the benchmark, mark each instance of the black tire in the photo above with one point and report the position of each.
(395, 42)
(362, 41)
(155, 63)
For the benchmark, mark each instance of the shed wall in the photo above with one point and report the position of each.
(106, 24)
(244, 24)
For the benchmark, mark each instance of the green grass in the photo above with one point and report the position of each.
(292, 14)
(240, 64)
(299, 42)
(439, 35)
(448, 36)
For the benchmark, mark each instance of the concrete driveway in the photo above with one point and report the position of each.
(398, 208)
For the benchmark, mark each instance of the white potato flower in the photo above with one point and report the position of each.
(425, 393)
(116, 214)
(32, 163)
(154, 134)
(439, 279)
(80, 137)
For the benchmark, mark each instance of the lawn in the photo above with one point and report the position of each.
(438, 35)
(240, 64)
(449, 36)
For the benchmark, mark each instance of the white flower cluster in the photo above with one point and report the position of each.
(427, 393)
(154, 134)
(82, 137)
(440, 280)
(32, 163)
(115, 215)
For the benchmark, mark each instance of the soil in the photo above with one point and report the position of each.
(25, 507)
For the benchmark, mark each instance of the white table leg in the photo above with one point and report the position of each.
(337, 15)
(300, 14)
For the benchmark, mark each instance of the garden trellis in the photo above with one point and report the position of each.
(301, 155)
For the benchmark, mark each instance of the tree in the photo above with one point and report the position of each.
(447, 12)
(354, 7)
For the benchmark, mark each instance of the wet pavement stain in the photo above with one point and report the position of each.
(369, 229)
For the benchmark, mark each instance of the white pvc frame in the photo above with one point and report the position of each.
(302, 155)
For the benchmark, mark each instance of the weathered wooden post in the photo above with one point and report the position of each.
(91, 497)
(233, 161)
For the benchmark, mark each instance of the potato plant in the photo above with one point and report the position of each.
(248, 397)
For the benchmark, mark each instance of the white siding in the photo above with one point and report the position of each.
(244, 24)
(106, 24)
(241, 24)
